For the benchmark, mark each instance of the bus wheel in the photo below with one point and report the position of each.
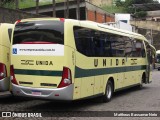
(108, 92)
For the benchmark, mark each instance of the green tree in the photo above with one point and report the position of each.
(128, 6)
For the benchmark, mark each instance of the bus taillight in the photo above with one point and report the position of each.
(66, 78)
(3, 71)
(62, 19)
(13, 79)
(18, 21)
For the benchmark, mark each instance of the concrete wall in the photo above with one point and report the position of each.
(153, 15)
(150, 29)
(146, 24)
(10, 15)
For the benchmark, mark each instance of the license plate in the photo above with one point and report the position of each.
(36, 93)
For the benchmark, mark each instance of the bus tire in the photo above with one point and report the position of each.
(108, 92)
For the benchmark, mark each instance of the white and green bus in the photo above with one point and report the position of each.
(64, 59)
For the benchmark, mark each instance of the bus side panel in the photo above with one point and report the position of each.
(84, 74)
(139, 73)
(77, 88)
(5, 46)
(98, 84)
(4, 55)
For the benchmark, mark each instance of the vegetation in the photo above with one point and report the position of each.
(118, 7)
(114, 9)
(25, 3)
(128, 7)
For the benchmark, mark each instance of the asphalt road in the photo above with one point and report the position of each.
(146, 99)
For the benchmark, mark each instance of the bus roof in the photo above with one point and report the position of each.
(93, 25)
(116, 30)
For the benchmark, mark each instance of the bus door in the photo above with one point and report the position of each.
(149, 62)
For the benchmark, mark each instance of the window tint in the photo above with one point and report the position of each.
(117, 45)
(35, 31)
(95, 43)
(84, 41)
(128, 47)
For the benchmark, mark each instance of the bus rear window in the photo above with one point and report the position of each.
(39, 31)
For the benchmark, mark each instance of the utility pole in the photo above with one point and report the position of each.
(54, 8)
(17, 4)
(78, 10)
(37, 6)
(67, 9)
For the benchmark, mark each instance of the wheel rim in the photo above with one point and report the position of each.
(109, 91)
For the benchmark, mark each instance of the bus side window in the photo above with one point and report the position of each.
(99, 41)
(117, 45)
(108, 50)
(128, 47)
(84, 41)
(138, 48)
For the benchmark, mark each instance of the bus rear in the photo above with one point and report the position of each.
(40, 62)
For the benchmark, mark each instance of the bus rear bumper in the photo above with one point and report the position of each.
(65, 93)
(4, 84)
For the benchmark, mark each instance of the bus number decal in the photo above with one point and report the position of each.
(117, 62)
(32, 62)
(105, 62)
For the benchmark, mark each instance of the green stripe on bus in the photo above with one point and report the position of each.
(37, 72)
(79, 72)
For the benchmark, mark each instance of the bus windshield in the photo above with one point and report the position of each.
(158, 57)
(39, 32)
